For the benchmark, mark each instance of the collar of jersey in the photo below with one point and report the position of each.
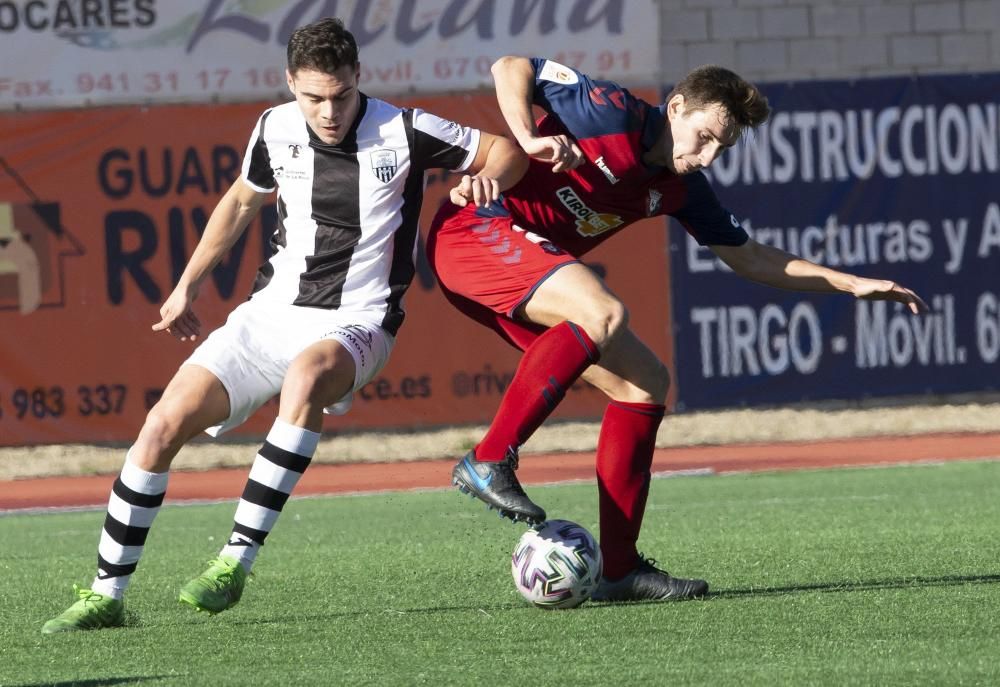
(350, 141)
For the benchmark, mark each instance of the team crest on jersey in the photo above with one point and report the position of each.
(654, 202)
(384, 164)
(588, 222)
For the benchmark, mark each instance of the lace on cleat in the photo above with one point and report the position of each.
(648, 583)
(218, 588)
(91, 611)
(495, 484)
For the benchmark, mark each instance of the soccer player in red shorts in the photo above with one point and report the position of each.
(601, 160)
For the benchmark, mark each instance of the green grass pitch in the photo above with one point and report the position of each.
(843, 577)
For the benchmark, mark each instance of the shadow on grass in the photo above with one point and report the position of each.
(97, 682)
(859, 586)
(390, 612)
(488, 610)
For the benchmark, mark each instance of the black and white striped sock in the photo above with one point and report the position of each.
(276, 470)
(135, 500)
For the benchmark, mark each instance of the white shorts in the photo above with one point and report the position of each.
(251, 352)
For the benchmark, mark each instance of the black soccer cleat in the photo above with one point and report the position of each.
(496, 485)
(648, 583)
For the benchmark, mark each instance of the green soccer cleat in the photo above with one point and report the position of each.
(92, 611)
(218, 588)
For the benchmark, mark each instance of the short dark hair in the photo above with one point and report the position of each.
(324, 46)
(712, 85)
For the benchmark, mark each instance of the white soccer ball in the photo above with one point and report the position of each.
(556, 564)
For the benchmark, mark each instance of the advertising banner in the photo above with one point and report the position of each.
(57, 54)
(99, 212)
(892, 178)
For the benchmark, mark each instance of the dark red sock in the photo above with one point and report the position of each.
(549, 366)
(624, 456)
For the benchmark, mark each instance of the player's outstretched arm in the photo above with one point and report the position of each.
(775, 267)
(514, 79)
(228, 220)
(498, 165)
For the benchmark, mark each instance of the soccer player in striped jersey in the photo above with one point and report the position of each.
(601, 160)
(321, 321)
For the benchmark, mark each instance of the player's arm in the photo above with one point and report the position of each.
(498, 165)
(774, 267)
(228, 220)
(514, 79)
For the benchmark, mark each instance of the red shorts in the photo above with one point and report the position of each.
(488, 267)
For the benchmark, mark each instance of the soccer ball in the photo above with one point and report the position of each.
(556, 564)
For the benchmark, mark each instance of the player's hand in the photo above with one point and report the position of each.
(177, 317)
(884, 290)
(561, 152)
(475, 189)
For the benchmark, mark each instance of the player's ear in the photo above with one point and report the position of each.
(290, 80)
(675, 106)
(357, 72)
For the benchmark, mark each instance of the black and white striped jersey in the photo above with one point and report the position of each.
(347, 213)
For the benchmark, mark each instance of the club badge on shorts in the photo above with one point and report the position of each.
(384, 164)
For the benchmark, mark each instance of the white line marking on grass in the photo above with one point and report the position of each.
(775, 501)
(562, 482)
(661, 474)
(928, 462)
(690, 472)
(42, 510)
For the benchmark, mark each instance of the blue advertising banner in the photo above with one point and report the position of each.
(892, 178)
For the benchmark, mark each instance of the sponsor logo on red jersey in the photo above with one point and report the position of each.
(588, 222)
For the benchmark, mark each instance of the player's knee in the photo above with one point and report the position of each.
(606, 322)
(163, 423)
(161, 436)
(617, 318)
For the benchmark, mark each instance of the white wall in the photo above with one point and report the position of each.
(777, 40)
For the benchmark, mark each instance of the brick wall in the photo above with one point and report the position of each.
(777, 40)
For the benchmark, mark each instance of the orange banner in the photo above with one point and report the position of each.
(99, 212)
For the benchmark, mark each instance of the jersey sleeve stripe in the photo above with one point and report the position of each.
(442, 143)
(257, 172)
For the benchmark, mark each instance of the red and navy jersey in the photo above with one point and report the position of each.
(579, 209)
